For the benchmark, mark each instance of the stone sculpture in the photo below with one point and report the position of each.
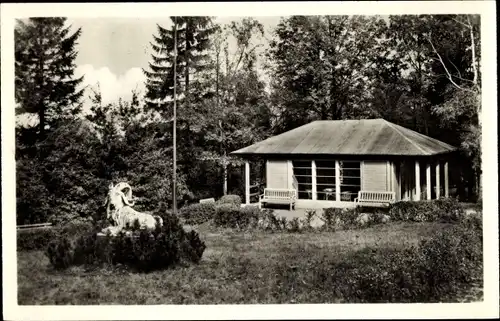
(120, 212)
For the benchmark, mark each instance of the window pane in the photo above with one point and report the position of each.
(350, 164)
(325, 172)
(302, 171)
(351, 172)
(305, 191)
(351, 181)
(327, 163)
(325, 180)
(300, 163)
(326, 194)
(304, 179)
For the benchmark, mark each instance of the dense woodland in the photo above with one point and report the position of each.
(422, 72)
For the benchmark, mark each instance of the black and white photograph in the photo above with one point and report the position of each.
(280, 160)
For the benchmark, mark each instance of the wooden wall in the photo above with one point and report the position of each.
(376, 176)
(277, 174)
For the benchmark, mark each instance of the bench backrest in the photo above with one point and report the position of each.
(376, 196)
(207, 200)
(276, 193)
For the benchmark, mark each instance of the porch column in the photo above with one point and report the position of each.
(417, 181)
(428, 182)
(446, 192)
(247, 182)
(400, 182)
(394, 179)
(438, 192)
(337, 181)
(313, 178)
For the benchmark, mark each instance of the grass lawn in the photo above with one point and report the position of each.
(237, 267)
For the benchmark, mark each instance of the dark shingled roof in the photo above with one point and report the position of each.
(349, 137)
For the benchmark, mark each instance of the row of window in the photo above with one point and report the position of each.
(350, 179)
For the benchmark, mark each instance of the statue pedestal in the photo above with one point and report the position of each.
(104, 233)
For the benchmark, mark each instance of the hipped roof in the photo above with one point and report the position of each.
(348, 137)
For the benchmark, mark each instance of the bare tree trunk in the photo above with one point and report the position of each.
(224, 174)
(41, 118)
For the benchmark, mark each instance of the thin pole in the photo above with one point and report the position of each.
(174, 193)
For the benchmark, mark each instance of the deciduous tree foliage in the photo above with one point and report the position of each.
(321, 67)
(422, 72)
(239, 114)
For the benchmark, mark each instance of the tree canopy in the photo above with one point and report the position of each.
(421, 72)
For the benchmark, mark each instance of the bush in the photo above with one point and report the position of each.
(229, 215)
(446, 209)
(193, 247)
(36, 239)
(252, 215)
(269, 221)
(335, 218)
(230, 199)
(61, 253)
(310, 214)
(142, 250)
(32, 196)
(198, 213)
(77, 228)
(435, 270)
(294, 226)
(39, 239)
(452, 259)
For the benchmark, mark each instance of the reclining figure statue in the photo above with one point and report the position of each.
(120, 212)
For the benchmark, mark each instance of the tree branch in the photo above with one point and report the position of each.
(460, 22)
(450, 77)
(459, 74)
(473, 45)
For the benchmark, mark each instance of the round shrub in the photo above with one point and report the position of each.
(193, 247)
(448, 209)
(251, 214)
(76, 228)
(60, 253)
(198, 213)
(229, 215)
(230, 199)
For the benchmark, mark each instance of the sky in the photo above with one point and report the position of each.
(112, 51)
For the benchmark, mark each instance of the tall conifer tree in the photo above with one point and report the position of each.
(44, 70)
(193, 40)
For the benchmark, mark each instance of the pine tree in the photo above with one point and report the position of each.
(193, 39)
(44, 70)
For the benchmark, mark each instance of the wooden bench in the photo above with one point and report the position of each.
(374, 199)
(34, 226)
(207, 200)
(278, 196)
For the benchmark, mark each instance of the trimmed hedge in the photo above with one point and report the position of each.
(198, 213)
(445, 209)
(230, 199)
(39, 239)
(142, 250)
(229, 215)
